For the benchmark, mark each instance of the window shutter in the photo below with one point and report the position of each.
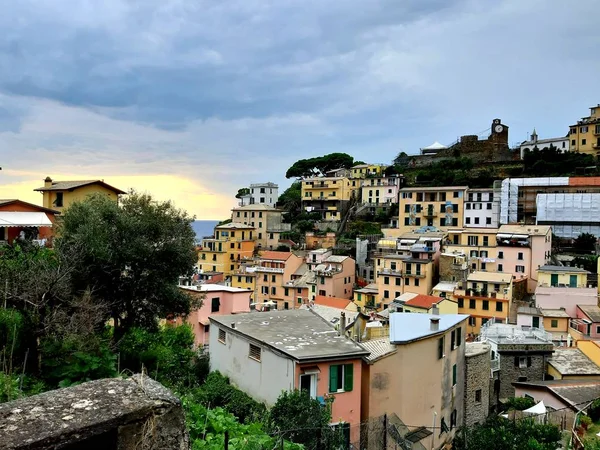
(332, 378)
(348, 377)
(529, 361)
(454, 375)
(516, 361)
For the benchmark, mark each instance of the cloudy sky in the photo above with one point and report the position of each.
(193, 99)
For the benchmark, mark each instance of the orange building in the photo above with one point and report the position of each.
(22, 219)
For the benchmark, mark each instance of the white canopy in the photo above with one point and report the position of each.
(536, 409)
(24, 219)
(435, 146)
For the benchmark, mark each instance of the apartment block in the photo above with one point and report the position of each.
(379, 192)
(482, 208)
(232, 243)
(274, 271)
(367, 170)
(261, 194)
(485, 296)
(440, 207)
(328, 195)
(398, 274)
(267, 221)
(334, 275)
(585, 134)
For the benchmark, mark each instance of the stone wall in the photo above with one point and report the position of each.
(112, 414)
(537, 356)
(477, 379)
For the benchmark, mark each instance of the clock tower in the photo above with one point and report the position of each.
(499, 131)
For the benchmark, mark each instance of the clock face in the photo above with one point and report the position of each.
(498, 128)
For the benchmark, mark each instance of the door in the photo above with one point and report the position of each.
(536, 322)
(572, 280)
(308, 383)
(554, 279)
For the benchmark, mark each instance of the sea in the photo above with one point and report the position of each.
(204, 228)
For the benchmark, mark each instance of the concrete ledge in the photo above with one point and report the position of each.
(116, 413)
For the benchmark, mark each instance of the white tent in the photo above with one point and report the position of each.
(24, 219)
(538, 410)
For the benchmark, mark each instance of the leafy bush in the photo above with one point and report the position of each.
(9, 387)
(594, 410)
(519, 403)
(167, 356)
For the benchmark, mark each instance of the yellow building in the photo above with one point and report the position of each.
(58, 195)
(368, 170)
(571, 364)
(591, 349)
(244, 280)
(398, 274)
(366, 297)
(327, 195)
(440, 207)
(584, 136)
(484, 296)
(477, 244)
(267, 221)
(562, 276)
(232, 243)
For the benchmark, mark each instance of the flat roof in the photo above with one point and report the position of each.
(436, 188)
(210, 287)
(445, 286)
(236, 226)
(493, 277)
(298, 333)
(554, 313)
(567, 269)
(529, 310)
(256, 207)
(408, 327)
(532, 230)
(476, 348)
(572, 361)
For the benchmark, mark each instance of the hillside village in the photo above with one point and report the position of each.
(410, 298)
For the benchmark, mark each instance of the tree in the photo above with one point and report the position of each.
(131, 256)
(242, 192)
(319, 165)
(303, 420)
(585, 243)
(291, 200)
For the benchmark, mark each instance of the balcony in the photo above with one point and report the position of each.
(388, 271)
(328, 273)
(429, 212)
(512, 240)
(484, 295)
(265, 269)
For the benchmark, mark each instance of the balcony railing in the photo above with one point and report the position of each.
(388, 271)
(495, 364)
(264, 269)
(500, 295)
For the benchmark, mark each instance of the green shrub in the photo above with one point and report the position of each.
(519, 403)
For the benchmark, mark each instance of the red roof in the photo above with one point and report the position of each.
(280, 256)
(333, 302)
(423, 301)
(584, 181)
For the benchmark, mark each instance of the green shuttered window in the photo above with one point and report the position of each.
(341, 377)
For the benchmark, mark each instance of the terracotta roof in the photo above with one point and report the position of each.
(423, 301)
(333, 302)
(68, 185)
(584, 181)
(38, 207)
(280, 256)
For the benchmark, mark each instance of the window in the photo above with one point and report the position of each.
(468, 206)
(485, 241)
(500, 267)
(473, 240)
(461, 302)
(520, 256)
(597, 329)
(417, 281)
(222, 336)
(386, 294)
(59, 199)
(473, 321)
(273, 279)
(458, 336)
(476, 220)
(499, 306)
(467, 220)
(522, 362)
(583, 141)
(341, 377)
(478, 396)
(398, 281)
(554, 323)
(453, 340)
(456, 194)
(572, 141)
(454, 222)
(488, 220)
(254, 352)
(486, 305)
(583, 130)
(407, 282)
(472, 303)
(500, 255)
(215, 304)
(488, 206)
(286, 291)
(441, 347)
(386, 280)
(454, 375)
(520, 269)
(273, 290)
(206, 328)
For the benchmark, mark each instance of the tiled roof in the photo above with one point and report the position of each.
(334, 302)
(236, 226)
(67, 185)
(423, 301)
(592, 311)
(567, 269)
(378, 348)
(572, 361)
(279, 256)
(4, 202)
(336, 259)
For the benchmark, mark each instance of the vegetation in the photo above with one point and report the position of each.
(320, 165)
(518, 403)
(585, 243)
(242, 192)
(552, 162)
(501, 434)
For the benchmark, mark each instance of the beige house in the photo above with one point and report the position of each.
(58, 195)
(274, 272)
(417, 374)
(267, 221)
(440, 207)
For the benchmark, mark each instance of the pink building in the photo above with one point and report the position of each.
(217, 300)
(547, 297)
(334, 275)
(264, 354)
(522, 249)
(586, 325)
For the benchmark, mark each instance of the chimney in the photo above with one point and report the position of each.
(435, 311)
(233, 325)
(343, 323)
(434, 323)
(47, 182)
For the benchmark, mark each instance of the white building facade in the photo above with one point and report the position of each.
(261, 193)
(482, 209)
(560, 143)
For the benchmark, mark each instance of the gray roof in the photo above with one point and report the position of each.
(336, 259)
(476, 348)
(236, 226)
(299, 333)
(257, 207)
(572, 361)
(332, 315)
(378, 348)
(549, 268)
(407, 327)
(592, 311)
(577, 393)
(528, 310)
(554, 313)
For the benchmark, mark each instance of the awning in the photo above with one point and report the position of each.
(536, 409)
(24, 219)
(504, 236)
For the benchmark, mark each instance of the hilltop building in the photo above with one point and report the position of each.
(560, 143)
(261, 194)
(58, 195)
(585, 134)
